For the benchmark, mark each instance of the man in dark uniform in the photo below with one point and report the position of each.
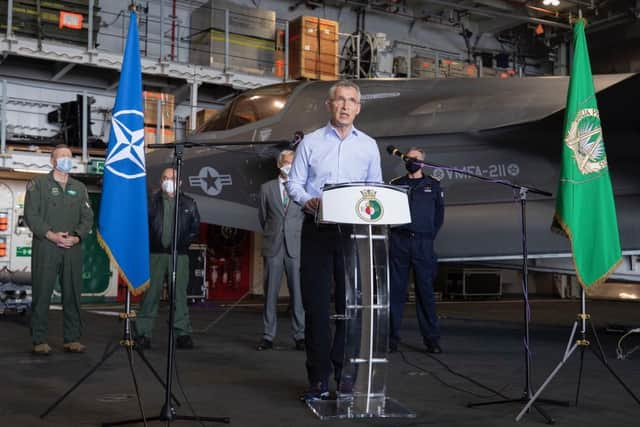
(161, 219)
(58, 212)
(411, 245)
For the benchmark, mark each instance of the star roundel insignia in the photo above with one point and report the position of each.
(126, 157)
(584, 138)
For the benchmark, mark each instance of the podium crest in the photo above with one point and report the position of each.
(369, 208)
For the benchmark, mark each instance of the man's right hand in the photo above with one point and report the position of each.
(312, 205)
(61, 239)
(55, 237)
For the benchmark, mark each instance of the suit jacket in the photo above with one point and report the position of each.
(280, 226)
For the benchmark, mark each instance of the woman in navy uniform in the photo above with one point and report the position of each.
(411, 245)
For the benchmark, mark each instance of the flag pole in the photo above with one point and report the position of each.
(585, 183)
(583, 342)
(125, 180)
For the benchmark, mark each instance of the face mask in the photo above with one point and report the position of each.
(64, 164)
(412, 167)
(285, 169)
(168, 186)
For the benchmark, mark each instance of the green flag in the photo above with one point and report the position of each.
(585, 208)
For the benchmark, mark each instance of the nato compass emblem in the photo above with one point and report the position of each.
(126, 158)
(369, 209)
(584, 138)
(210, 181)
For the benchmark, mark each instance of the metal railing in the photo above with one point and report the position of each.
(166, 35)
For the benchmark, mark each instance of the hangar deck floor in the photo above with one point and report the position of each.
(225, 376)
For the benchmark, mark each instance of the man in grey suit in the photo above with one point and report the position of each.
(281, 220)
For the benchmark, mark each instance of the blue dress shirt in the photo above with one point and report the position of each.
(323, 158)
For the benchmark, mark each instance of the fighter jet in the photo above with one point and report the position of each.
(505, 129)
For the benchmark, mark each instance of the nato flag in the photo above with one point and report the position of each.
(123, 223)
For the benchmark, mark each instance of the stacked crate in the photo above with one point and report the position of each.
(313, 48)
(165, 116)
(423, 67)
(251, 37)
(454, 68)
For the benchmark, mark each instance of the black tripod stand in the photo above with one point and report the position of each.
(581, 343)
(126, 343)
(168, 413)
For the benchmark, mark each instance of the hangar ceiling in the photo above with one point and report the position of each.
(494, 16)
(531, 27)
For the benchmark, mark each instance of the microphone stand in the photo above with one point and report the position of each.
(521, 192)
(168, 412)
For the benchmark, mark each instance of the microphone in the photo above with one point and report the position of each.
(298, 136)
(395, 152)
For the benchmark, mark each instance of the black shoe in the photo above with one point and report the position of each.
(142, 342)
(265, 344)
(393, 346)
(300, 344)
(318, 391)
(433, 347)
(345, 385)
(184, 342)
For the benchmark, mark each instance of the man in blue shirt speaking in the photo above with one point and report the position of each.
(336, 153)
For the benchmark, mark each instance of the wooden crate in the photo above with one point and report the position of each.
(167, 105)
(313, 48)
(423, 67)
(151, 137)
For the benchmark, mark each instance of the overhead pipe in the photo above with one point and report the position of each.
(476, 11)
(173, 30)
(483, 12)
(543, 10)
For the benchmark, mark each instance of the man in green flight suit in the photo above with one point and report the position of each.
(58, 212)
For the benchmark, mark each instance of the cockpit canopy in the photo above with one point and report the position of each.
(251, 106)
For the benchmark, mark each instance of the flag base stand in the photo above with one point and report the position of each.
(527, 393)
(582, 343)
(129, 345)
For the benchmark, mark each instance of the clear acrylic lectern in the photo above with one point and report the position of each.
(365, 209)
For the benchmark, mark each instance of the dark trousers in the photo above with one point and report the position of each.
(161, 265)
(323, 252)
(406, 251)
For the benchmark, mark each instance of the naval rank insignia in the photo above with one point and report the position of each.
(584, 138)
(369, 208)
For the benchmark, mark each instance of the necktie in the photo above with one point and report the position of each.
(285, 197)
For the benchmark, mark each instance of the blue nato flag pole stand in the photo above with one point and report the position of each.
(168, 413)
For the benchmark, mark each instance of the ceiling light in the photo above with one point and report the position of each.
(555, 3)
